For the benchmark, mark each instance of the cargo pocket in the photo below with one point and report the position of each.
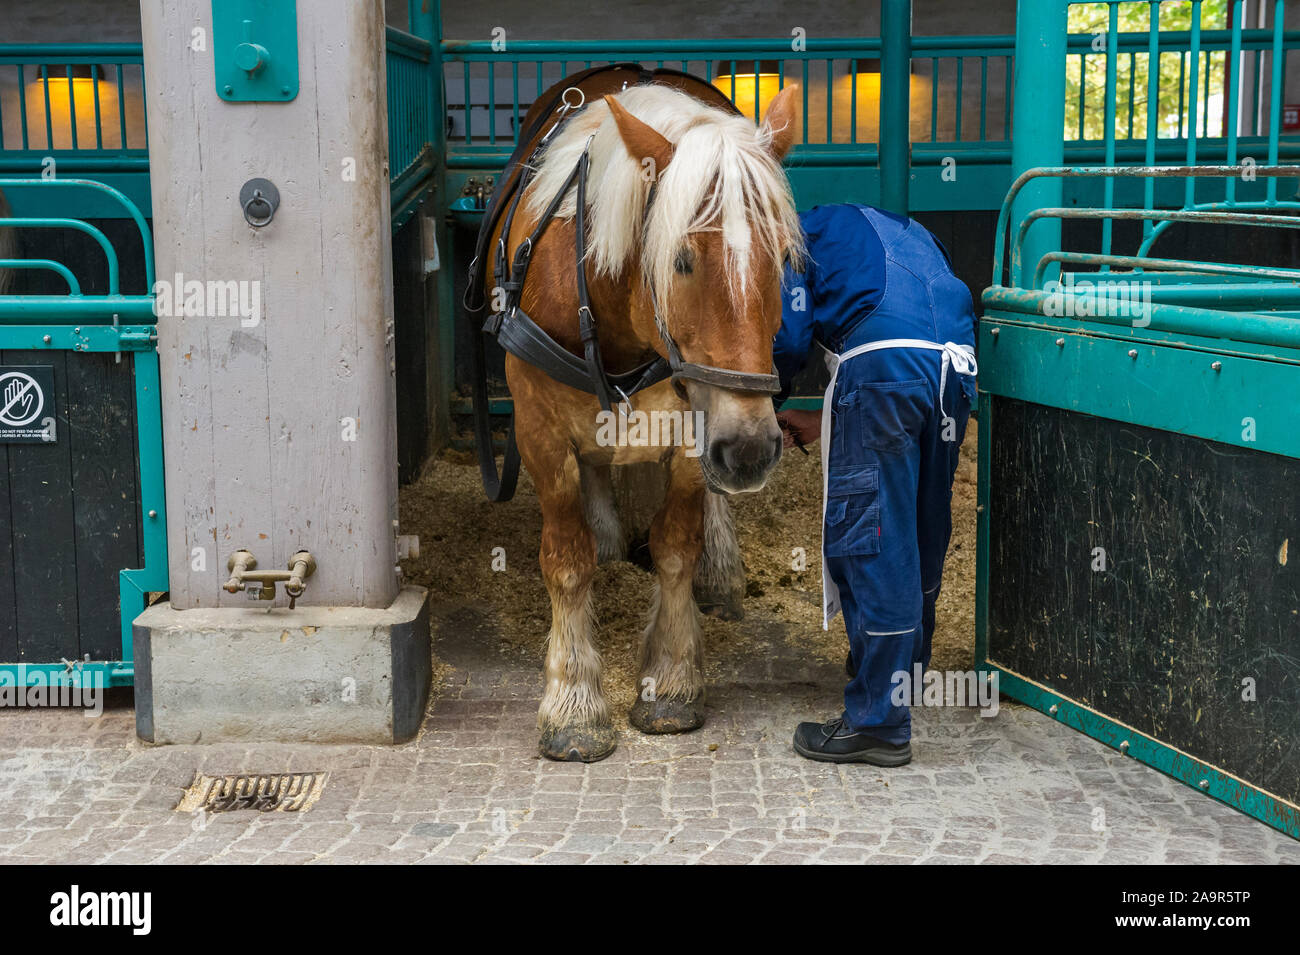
(887, 415)
(853, 511)
(968, 388)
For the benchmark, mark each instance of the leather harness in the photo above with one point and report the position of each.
(522, 337)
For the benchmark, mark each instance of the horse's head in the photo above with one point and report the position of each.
(716, 230)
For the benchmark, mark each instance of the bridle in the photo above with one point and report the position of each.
(520, 335)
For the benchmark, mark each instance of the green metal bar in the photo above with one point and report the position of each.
(830, 98)
(1222, 217)
(1182, 80)
(957, 100)
(1173, 318)
(1149, 264)
(69, 52)
(121, 105)
(984, 97)
(853, 101)
(132, 211)
(1153, 107)
(99, 127)
(79, 226)
(86, 309)
(1276, 93)
(85, 674)
(805, 102)
(153, 577)
(48, 265)
(934, 99)
(895, 106)
(514, 116)
(1232, 89)
(1193, 90)
(45, 90)
(1205, 97)
(1132, 87)
(1109, 107)
(1257, 68)
(492, 104)
(1007, 74)
(22, 107)
(1041, 36)
(1021, 186)
(718, 49)
(72, 107)
(1083, 96)
(468, 137)
(1162, 227)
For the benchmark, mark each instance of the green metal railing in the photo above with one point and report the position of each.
(1253, 65)
(81, 104)
(112, 322)
(87, 100)
(411, 122)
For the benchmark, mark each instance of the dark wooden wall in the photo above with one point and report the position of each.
(1198, 593)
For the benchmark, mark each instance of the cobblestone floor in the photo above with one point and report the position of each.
(1011, 789)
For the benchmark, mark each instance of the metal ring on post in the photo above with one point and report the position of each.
(258, 198)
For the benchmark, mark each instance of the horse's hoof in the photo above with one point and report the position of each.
(725, 603)
(730, 611)
(667, 715)
(578, 744)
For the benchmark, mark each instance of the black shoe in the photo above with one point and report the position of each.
(833, 742)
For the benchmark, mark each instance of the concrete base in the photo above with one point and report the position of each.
(314, 674)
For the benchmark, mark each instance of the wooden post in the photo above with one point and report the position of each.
(279, 426)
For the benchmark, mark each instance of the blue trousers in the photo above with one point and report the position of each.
(888, 517)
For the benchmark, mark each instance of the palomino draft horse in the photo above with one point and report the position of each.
(646, 243)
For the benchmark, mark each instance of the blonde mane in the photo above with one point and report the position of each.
(723, 177)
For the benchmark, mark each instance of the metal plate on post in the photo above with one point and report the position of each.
(255, 50)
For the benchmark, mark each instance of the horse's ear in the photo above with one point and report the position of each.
(782, 120)
(642, 141)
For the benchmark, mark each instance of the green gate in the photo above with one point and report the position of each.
(82, 481)
(1138, 447)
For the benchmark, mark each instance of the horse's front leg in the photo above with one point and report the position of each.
(671, 685)
(573, 717)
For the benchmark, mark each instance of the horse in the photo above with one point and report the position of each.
(682, 223)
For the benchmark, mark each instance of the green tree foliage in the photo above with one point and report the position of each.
(1085, 84)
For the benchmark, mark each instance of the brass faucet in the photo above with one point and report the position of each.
(260, 584)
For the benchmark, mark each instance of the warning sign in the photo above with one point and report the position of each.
(26, 404)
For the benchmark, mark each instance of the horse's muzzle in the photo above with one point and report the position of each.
(735, 463)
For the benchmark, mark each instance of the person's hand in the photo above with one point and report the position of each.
(799, 427)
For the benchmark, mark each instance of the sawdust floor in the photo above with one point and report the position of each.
(460, 530)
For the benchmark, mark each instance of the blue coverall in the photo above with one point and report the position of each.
(871, 276)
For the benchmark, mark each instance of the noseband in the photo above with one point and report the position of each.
(520, 335)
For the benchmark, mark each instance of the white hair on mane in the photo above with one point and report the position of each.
(723, 176)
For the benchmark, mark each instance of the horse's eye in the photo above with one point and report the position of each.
(685, 262)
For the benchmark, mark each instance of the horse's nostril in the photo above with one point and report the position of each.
(740, 456)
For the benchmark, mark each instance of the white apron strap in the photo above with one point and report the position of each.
(959, 357)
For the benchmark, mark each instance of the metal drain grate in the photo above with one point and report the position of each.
(262, 792)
